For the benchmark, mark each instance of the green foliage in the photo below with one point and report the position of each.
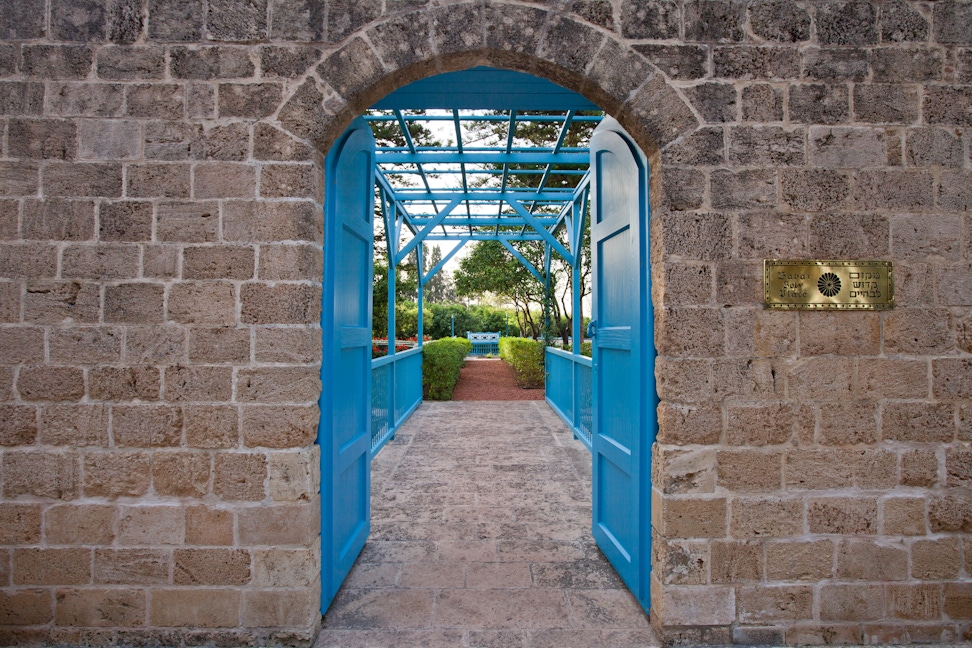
(441, 362)
(526, 358)
(585, 349)
(438, 320)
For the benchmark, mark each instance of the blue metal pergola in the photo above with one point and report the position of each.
(467, 190)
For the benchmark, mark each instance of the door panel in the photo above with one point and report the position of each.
(623, 356)
(344, 433)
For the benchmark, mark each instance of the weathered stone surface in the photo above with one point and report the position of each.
(175, 21)
(654, 20)
(836, 64)
(131, 63)
(208, 63)
(78, 20)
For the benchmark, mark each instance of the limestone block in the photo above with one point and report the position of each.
(74, 99)
(288, 345)
(211, 426)
(714, 21)
(767, 604)
(57, 61)
(706, 146)
(817, 103)
(280, 303)
(134, 303)
(88, 345)
(147, 426)
(23, 21)
(207, 303)
(250, 100)
(155, 100)
(240, 476)
(18, 425)
(224, 180)
(780, 21)
(69, 524)
(25, 607)
(761, 102)
(290, 62)
(836, 64)
(90, 607)
(285, 567)
(205, 608)
(814, 189)
(158, 180)
(919, 468)
(749, 63)
(181, 474)
(116, 474)
(49, 383)
(293, 477)
(917, 421)
(799, 560)
(686, 517)
(83, 179)
(938, 559)
(131, 63)
(155, 344)
(51, 566)
(921, 602)
(904, 516)
(221, 262)
(219, 345)
(279, 525)
(267, 222)
(279, 426)
(843, 515)
(208, 526)
(291, 181)
(697, 605)
(125, 221)
(21, 344)
(735, 562)
(207, 63)
(766, 145)
(276, 608)
(196, 383)
(867, 560)
(852, 602)
(689, 424)
(151, 525)
(715, 102)
(181, 21)
(847, 23)
(21, 523)
(211, 566)
(745, 471)
(652, 20)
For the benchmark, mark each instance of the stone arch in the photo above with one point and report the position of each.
(384, 55)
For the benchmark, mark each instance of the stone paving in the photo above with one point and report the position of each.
(481, 516)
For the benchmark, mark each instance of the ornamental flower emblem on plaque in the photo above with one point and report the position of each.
(828, 284)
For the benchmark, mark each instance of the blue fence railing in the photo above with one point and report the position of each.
(568, 391)
(396, 390)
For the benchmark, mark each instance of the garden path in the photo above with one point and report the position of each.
(481, 515)
(486, 379)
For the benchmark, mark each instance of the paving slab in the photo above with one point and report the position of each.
(481, 515)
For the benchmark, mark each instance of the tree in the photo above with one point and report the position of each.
(389, 134)
(439, 288)
(471, 280)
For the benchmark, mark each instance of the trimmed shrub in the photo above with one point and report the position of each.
(585, 349)
(525, 357)
(441, 362)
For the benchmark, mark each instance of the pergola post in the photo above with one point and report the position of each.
(419, 261)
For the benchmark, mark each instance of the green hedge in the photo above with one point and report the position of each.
(525, 357)
(441, 362)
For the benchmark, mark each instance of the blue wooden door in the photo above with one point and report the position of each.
(344, 433)
(623, 356)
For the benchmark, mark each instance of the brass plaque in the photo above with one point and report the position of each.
(828, 285)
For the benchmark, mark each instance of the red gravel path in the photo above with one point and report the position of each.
(490, 380)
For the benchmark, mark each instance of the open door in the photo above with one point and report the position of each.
(344, 433)
(623, 356)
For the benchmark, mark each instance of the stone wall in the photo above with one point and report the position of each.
(160, 254)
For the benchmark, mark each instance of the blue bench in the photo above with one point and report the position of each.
(484, 343)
